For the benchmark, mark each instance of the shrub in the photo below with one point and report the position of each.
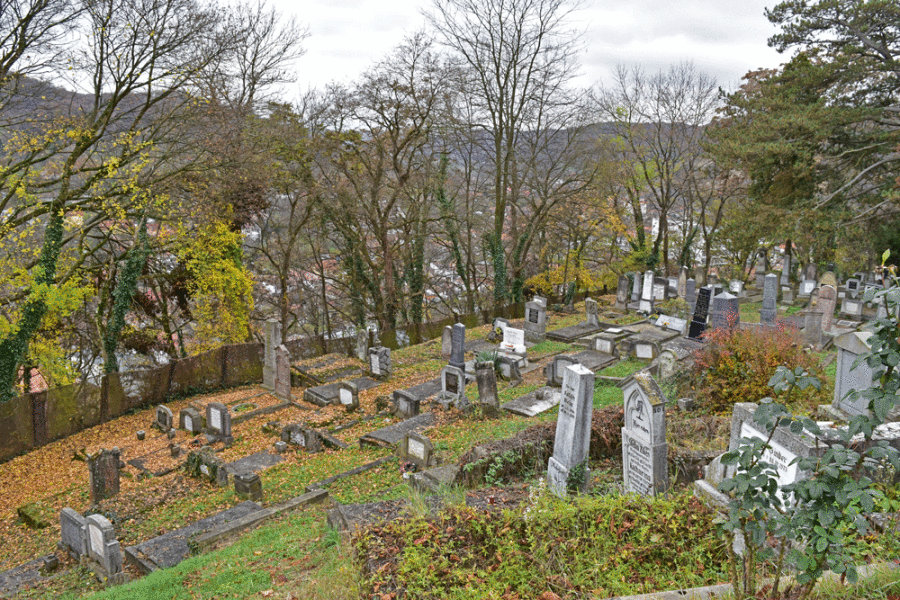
(735, 364)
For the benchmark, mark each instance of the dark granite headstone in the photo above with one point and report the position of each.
(103, 471)
(458, 346)
(770, 297)
(725, 312)
(701, 311)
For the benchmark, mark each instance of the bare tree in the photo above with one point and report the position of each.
(516, 56)
(659, 120)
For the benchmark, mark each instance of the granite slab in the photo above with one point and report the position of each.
(392, 434)
(533, 403)
(323, 395)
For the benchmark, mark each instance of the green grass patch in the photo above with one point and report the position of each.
(749, 311)
(548, 347)
(606, 395)
(624, 368)
(586, 547)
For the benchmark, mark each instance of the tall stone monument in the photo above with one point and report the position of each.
(273, 340)
(644, 448)
(770, 298)
(701, 312)
(573, 430)
(458, 346)
(826, 305)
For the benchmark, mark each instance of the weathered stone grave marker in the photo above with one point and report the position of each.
(218, 420)
(362, 344)
(103, 547)
(446, 342)
(848, 380)
(644, 448)
(535, 322)
(622, 292)
(660, 289)
(458, 346)
(636, 286)
(453, 386)
(73, 532)
(486, 377)
(405, 404)
(349, 396)
(297, 434)
(417, 449)
(282, 373)
(513, 341)
(786, 271)
(725, 312)
(606, 341)
(826, 305)
(812, 328)
(573, 431)
(103, 474)
(701, 310)
(554, 371)
(852, 308)
(248, 486)
(380, 362)
(190, 420)
(852, 286)
(273, 340)
(646, 303)
(770, 297)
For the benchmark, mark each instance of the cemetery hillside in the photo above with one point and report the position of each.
(456, 329)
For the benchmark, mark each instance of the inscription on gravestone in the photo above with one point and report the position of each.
(573, 429)
(701, 310)
(644, 448)
(770, 296)
(458, 346)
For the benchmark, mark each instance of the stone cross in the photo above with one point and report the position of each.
(458, 347)
(273, 340)
(770, 297)
(573, 430)
(103, 474)
(826, 305)
(644, 448)
(592, 309)
(282, 373)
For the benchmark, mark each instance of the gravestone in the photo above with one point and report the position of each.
(402, 338)
(701, 311)
(760, 268)
(826, 305)
(541, 300)
(672, 288)
(806, 288)
(828, 278)
(103, 547)
(380, 362)
(282, 373)
(273, 340)
(606, 342)
(299, 435)
(786, 271)
(190, 420)
(511, 368)
(644, 448)
(770, 297)
(573, 430)
(646, 303)
(810, 272)
(405, 404)
(163, 418)
(555, 370)
(645, 349)
(593, 311)
(636, 287)
(700, 277)
(736, 287)
(690, 293)
(852, 286)
(248, 486)
(446, 342)
(852, 308)
(682, 283)
(362, 344)
(787, 295)
(847, 379)
(725, 312)
(458, 346)
(103, 474)
(513, 341)
(453, 387)
(660, 289)
(218, 419)
(535, 322)
(812, 328)
(73, 532)
(486, 377)
(417, 449)
(672, 323)
(348, 395)
(622, 292)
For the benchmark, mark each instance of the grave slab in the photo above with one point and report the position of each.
(533, 403)
(255, 463)
(392, 434)
(573, 332)
(324, 395)
(171, 548)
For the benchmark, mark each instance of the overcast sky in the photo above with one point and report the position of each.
(724, 38)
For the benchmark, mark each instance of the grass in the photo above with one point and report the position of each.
(624, 368)
(749, 312)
